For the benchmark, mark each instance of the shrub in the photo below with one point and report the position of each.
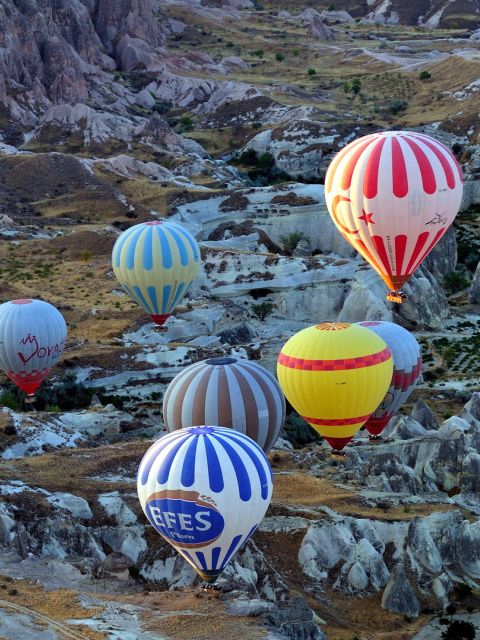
(424, 76)
(259, 53)
(256, 125)
(291, 241)
(455, 281)
(311, 72)
(356, 85)
(279, 57)
(262, 310)
(299, 432)
(295, 52)
(462, 590)
(459, 630)
(86, 255)
(395, 106)
(7, 399)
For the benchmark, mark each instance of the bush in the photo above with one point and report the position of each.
(311, 72)
(459, 630)
(299, 432)
(424, 76)
(86, 255)
(279, 57)
(455, 281)
(462, 590)
(262, 310)
(291, 241)
(7, 399)
(259, 53)
(395, 106)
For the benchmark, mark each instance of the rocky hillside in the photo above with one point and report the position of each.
(224, 115)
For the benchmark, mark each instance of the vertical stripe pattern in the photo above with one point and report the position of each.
(205, 489)
(407, 367)
(392, 195)
(156, 263)
(234, 393)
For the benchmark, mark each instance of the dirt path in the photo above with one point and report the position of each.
(52, 624)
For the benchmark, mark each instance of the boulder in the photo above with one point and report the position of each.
(404, 428)
(467, 548)
(422, 414)
(399, 595)
(421, 547)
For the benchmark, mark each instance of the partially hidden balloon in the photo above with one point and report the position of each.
(407, 366)
(230, 392)
(156, 263)
(205, 489)
(335, 375)
(32, 337)
(392, 195)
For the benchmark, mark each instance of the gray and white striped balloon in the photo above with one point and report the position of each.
(234, 393)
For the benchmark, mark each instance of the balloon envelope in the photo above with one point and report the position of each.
(335, 375)
(156, 263)
(234, 393)
(392, 195)
(32, 337)
(205, 490)
(407, 366)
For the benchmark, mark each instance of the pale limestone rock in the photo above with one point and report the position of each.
(398, 595)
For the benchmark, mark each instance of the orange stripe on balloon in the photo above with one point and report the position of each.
(441, 151)
(437, 237)
(339, 364)
(421, 240)
(449, 175)
(370, 179)
(399, 170)
(343, 228)
(340, 422)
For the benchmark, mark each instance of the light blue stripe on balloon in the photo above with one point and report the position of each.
(119, 244)
(134, 238)
(148, 248)
(132, 293)
(216, 551)
(166, 294)
(164, 247)
(201, 559)
(189, 238)
(141, 300)
(153, 452)
(188, 468)
(178, 295)
(181, 246)
(243, 481)
(215, 474)
(254, 456)
(152, 292)
(231, 550)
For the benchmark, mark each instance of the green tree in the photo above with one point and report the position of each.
(295, 52)
(394, 106)
(347, 87)
(424, 76)
(459, 630)
(356, 85)
(259, 53)
(455, 281)
(279, 57)
(262, 310)
(290, 242)
(311, 72)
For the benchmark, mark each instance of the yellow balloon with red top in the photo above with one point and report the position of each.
(335, 375)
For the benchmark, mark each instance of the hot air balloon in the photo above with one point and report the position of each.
(156, 263)
(229, 392)
(205, 489)
(335, 375)
(32, 337)
(392, 195)
(407, 366)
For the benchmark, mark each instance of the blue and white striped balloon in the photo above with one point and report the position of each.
(156, 263)
(205, 490)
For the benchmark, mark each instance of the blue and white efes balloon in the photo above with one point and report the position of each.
(205, 490)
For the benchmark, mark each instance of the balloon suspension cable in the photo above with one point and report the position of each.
(160, 329)
(338, 455)
(396, 296)
(30, 398)
(207, 586)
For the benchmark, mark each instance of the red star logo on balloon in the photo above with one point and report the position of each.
(367, 217)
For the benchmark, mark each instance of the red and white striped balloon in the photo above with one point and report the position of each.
(392, 195)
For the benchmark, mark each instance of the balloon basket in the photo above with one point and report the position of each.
(375, 439)
(396, 296)
(338, 455)
(29, 399)
(208, 587)
(159, 329)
